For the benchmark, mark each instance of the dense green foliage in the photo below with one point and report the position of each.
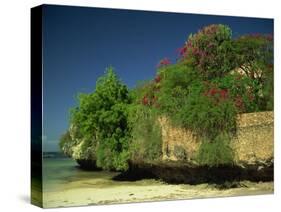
(100, 125)
(217, 152)
(255, 59)
(215, 78)
(146, 143)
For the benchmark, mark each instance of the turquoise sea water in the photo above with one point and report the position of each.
(61, 173)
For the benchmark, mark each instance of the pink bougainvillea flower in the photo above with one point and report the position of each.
(212, 91)
(164, 62)
(182, 50)
(217, 94)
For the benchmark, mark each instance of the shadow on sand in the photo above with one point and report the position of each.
(228, 176)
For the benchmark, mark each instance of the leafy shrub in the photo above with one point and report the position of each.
(176, 79)
(216, 152)
(191, 102)
(146, 144)
(112, 154)
(206, 118)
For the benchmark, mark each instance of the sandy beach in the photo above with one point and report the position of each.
(141, 193)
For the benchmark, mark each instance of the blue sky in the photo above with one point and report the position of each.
(80, 42)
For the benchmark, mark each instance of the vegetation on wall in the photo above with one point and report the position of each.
(146, 140)
(215, 78)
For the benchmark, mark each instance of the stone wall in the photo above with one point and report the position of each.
(253, 142)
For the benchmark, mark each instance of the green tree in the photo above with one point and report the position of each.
(101, 117)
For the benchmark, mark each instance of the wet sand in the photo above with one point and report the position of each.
(66, 185)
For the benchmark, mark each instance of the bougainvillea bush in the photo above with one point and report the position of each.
(215, 78)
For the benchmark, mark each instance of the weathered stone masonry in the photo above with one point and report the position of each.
(253, 142)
